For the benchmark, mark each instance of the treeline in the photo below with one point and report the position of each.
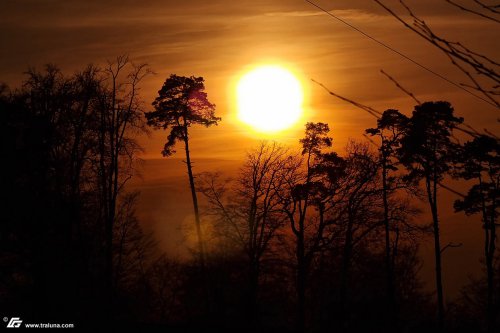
(324, 238)
(69, 237)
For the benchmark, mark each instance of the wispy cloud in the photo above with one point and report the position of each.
(352, 14)
(216, 39)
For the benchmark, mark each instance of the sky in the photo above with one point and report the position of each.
(219, 40)
(222, 39)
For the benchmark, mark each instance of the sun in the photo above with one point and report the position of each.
(269, 99)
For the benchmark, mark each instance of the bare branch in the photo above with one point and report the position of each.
(401, 87)
(449, 245)
(472, 64)
(368, 109)
(491, 8)
(451, 190)
(465, 9)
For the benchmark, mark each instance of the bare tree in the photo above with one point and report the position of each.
(119, 117)
(88, 121)
(133, 248)
(360, 205)
(165, 282)
(248, 211)
(145, 276)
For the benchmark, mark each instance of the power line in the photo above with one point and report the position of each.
(399, 53)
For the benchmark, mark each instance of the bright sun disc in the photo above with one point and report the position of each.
(269, 99)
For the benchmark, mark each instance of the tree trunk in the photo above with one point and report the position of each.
(490, 257)
(109, 265)
(205, 284)
(301, 282)
(345, 270)
(432, 197)
(491, 272)
(253, 290)
(195, 203)
(388, 261)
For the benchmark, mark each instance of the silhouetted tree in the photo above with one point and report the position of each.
(314, 141)
(69, 147)
(181, 103)
(427, 151)
(26, 195)
(390, 131)
(309, 196)
(119, 116)
(80, 137)
(480, 160)
(54, 126)
(361, 215)
(165, 281)
(133, 248)
(250, 215)
(70, 143)
(136, 261)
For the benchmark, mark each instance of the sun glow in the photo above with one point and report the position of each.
(269, 99)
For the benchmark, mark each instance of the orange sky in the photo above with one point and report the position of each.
(220, 39)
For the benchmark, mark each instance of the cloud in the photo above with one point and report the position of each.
(351, 14)
(217, 39)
